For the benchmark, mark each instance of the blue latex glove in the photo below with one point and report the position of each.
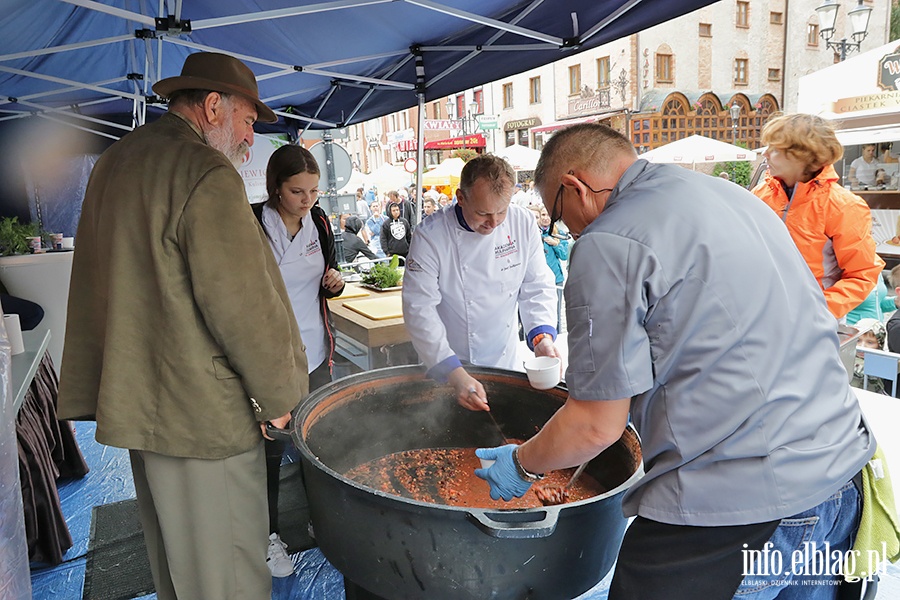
(502, 476)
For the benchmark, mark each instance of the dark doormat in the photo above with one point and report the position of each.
(117, 564)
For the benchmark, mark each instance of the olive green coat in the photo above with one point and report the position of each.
(180, 335)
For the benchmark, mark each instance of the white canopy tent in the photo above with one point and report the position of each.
(858, 95)
(698, 149)
(522, 158)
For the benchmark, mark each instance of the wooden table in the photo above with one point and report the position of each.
(367, 343)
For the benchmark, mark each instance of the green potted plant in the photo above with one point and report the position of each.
(14, 236)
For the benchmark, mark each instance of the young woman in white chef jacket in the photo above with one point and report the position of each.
(303, 244)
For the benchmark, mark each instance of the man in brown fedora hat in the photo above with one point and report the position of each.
(181, 341)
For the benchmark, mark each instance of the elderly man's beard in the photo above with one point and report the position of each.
(222, 138)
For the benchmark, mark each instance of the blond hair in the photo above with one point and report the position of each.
(807, 138)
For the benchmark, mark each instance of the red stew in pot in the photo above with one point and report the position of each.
(447, 476)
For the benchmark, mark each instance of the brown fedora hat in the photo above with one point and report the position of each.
(218, 73)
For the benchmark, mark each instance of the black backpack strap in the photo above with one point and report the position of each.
(258, 211)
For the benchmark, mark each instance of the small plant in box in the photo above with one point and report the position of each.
(384, 275)
(14, 236)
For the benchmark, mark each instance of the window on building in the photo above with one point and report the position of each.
(705, 29)
(603, 72)
(743, 14)
(507, 95)
(740, 70)
(523, 137)
(812, 34)
(478, 97)
(534, 90)
(574, 80)
(774, 74)
(776, 18)
(665, 68)
(461, 106)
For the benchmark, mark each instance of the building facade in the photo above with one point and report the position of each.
(665, 83)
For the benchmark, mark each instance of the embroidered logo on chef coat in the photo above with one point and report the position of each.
(312, 247)
(508, 248)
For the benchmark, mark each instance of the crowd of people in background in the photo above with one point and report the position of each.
(796, 184)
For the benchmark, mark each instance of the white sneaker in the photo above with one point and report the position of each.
(277, 559)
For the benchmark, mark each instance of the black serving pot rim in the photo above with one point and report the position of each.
(312, 403)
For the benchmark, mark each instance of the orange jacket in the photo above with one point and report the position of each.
(833, 231)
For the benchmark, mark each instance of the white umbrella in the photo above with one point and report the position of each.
(357, 180)
(698, 149)
(387, 177)
(522, 158)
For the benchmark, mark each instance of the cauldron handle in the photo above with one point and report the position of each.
(281, 435)
(542, 526)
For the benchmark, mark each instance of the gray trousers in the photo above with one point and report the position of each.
(205, 525)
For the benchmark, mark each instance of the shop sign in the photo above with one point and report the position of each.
(522, 124)
(407, 146)
(589, 103)
(442, 124)
(470, 141)
(886, 100)
(399, 136)
(889, 71)
(487, 122)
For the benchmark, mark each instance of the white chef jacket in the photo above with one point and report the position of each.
(302, 266)
(460, 290)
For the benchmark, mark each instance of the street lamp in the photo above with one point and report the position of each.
(463, 119)
(859, 25)
(735, 110)
(470, 119)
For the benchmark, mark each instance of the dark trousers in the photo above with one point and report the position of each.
(679, 562)
(275, 448)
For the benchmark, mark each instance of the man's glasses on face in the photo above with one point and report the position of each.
(556, 210)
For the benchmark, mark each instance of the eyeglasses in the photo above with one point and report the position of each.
(556, 211)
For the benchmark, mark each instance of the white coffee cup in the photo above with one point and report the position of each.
(14, 333)
(68, 242)
(542, 371)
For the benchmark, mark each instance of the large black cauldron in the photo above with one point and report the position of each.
(399, 548)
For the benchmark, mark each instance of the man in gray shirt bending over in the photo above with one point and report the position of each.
(689, 307)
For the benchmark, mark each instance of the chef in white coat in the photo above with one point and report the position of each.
(469, 265)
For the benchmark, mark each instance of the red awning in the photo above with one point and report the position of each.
(471, 141)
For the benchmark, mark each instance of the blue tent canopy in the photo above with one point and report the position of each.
(319, 64)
